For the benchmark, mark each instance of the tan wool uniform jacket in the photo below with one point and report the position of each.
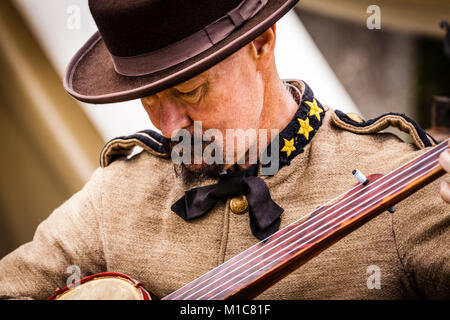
(121, 221)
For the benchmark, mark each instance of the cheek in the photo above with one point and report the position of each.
(241, 100)
(245, 106)
(230, 110)
(248, 96)
(235, 97)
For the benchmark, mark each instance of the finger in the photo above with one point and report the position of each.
(444, 160)
(445, 191)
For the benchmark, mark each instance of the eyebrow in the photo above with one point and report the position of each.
(193, 83)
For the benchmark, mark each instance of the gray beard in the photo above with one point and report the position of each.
(190, 176)
(207, 171)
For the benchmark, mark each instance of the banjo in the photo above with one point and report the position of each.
(254, 270)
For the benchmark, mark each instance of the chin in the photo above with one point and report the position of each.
(197, 168)
(197, 172)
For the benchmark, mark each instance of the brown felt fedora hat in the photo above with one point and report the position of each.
(145, 46)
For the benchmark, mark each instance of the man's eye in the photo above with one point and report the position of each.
(190, 93)
(193, 96)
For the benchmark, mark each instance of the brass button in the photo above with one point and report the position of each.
(239, 205)
(354, 117)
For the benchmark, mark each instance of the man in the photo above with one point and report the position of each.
(218, 69)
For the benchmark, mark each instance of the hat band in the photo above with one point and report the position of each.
(191, 46)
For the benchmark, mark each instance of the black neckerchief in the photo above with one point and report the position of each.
(263, 211)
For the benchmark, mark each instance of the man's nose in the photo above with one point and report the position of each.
(173, 116)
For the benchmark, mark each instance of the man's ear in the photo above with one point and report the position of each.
(264, 45)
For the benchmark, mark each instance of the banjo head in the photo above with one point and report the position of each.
(103, 286)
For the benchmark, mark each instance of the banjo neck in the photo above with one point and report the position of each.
(254, 270)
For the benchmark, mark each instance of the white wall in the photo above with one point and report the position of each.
(296, 56)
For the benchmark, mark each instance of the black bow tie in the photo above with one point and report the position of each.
(264, 212)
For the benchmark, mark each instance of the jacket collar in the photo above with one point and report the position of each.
(302, 127)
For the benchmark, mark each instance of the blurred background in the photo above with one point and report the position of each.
(355, 57)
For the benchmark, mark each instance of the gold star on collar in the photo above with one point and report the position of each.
(315, 110)
(288, 146)
(305, 128)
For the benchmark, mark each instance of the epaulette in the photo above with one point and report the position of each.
(354, 123)
(148, 140)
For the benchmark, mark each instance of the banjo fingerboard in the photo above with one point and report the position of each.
(257, 268)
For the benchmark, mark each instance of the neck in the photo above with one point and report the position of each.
(279, 107)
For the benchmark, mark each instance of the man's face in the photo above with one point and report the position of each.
(227, 96)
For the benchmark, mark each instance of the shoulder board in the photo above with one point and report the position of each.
(119, 147)
(354, 123)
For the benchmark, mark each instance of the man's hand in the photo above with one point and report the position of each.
(444, 160)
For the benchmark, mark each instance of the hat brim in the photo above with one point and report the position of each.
(90, 76)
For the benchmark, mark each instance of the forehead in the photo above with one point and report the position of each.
(195, 81)
(210, 75)
(235, 60)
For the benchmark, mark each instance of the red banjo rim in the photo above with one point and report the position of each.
(144, 293)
